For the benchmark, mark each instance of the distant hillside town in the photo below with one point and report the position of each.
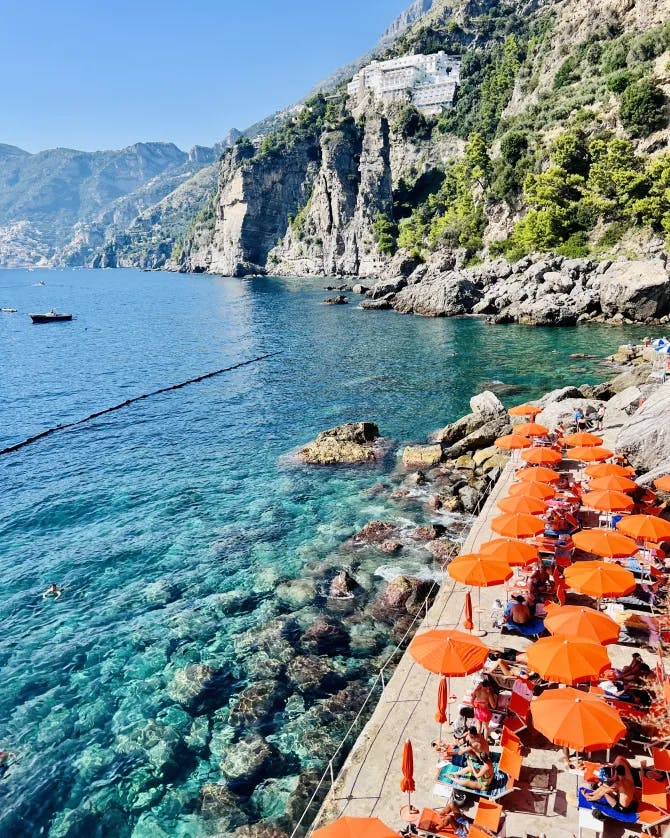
(428, 81)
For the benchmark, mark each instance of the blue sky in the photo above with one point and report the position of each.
(107, 73)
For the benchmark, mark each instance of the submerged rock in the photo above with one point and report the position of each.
(198, 686)
(256, 704)
(403, 594)
(327, 636)
(314, 676)
(351, 443)
(376, 532)
(218, 802)
(342, 586)
(248, 761)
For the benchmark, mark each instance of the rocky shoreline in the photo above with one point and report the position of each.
(311, 665)
(551, 291)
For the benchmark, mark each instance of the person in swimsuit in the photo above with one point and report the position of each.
(478, 775)
(452, 819)
(520, 613)
(619, 792)
(484, 700)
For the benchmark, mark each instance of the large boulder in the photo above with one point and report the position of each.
(218, 802)
(461, 427)
(645, 439)
(564, 411)
(633, 377)
(350, 443)
(446, 296)
(311, 675)
(422, 456)
(637, 290)
(483, 437)
(560, 395)
(487, 403)
(256, 704)
(376, 532)
(402, 595)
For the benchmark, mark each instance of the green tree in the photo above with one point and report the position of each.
(570, 151)
(478, 167)
(513, 146)
(642, 109)
(386, 232)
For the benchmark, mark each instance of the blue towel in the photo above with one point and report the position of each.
(608, 811)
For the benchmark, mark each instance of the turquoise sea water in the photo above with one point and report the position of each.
(172, 522)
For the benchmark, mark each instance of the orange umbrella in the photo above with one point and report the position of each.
(479, 571)
(515, 553)
(607, 469)
(538, 475)
(582, 439)
(663, 483)
(468, 625)
(522, 503)
(347, 827)
(607, 543)
(599, 579)
(530, 429)
(407, 783)
(575, 719)
(541, 456)
(576, 622)
(646, 527)
(525, 410)
(606, 500)
(448, 652)
(542, 491)
(518, 525)
(512, 442)
(613, 482)
(567, 661)
(589, 455)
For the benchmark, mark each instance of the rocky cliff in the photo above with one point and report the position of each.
(556, 144)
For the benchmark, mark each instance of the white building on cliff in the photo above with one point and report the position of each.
(428, 81)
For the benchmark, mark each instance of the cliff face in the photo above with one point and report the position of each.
(334, 234)
(251, 210)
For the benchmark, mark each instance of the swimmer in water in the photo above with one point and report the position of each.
(52, 591)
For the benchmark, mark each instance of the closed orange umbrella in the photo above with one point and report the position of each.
(606, 469)
(442, 703)
(542, 491)
(525, 410)
(407, 783)
(538, 475)
(479, 571)
(613, 482)
(577, 622)
(607, 500)
(646, 527)
(606, 543)
(541, 456)
(567, 661)
(589, 455)
(512, 442)
(515, 553)
(522, 503)
(530, 429)
(347, 827)
(663, 483)
(582, 439)
(575, 719)
(518, 525)
(468, 625)
(599, 579)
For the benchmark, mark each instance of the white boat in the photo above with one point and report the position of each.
(8, 310)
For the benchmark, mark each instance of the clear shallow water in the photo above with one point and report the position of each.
(150, 514)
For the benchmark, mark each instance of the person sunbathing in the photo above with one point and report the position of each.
(520, 613)
(478, 774)
(475, 745)
(619, 792)
(453, 819)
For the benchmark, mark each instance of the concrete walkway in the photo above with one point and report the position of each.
(368, 784)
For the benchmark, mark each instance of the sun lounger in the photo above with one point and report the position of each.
(427, 825)
(533, 628)
(647, 815)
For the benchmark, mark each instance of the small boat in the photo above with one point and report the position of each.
(50, 317)
(40, 283)
(8, 310)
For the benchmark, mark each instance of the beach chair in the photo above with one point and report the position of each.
(647, 816)
(517, 713)
(489, 817)
(427, 825)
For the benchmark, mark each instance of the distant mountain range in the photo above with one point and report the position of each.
(125, 207)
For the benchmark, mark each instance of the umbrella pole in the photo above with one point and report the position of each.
(448, 707)
(480, 632)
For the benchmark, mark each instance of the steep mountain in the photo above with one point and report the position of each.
(556, 141)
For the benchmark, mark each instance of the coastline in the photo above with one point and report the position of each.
(367, 783)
